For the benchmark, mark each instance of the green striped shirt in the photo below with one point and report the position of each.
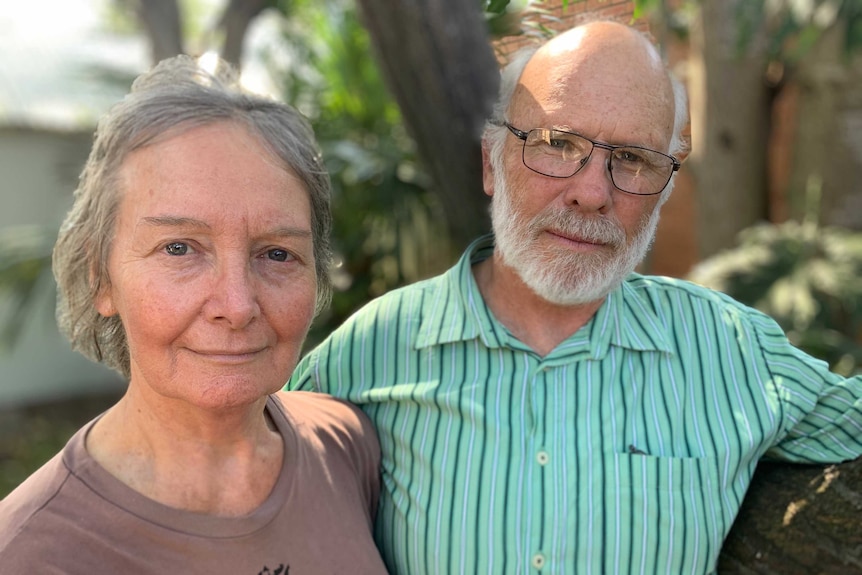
(628, 449)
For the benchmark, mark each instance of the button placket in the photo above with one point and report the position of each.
(538, 561)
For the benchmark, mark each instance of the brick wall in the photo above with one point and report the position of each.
(553, 15)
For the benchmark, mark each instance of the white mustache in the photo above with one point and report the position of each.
(595, 230)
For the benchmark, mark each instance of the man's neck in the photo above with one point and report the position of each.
(535, 321)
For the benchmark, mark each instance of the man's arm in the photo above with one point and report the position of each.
(822, 410)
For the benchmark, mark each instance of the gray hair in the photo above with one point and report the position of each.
(175, 96)
(495, 133)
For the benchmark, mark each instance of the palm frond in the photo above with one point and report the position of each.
(25, 265)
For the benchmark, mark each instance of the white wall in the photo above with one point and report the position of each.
(38, 173)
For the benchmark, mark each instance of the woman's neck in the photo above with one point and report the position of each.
(221, 463)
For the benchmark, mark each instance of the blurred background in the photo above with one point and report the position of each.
(767, 208)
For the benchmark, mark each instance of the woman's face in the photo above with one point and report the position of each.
(212, 268)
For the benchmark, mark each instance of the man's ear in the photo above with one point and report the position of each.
(681, 155)
(487, 170)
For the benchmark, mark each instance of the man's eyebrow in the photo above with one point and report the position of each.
(175, 222)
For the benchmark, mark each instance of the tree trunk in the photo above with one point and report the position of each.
(824, 181)
(161, 20)
(798, 520)
(439, 65)
(729, 124)
(235, 21)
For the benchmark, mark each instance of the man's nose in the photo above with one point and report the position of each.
(591, 188)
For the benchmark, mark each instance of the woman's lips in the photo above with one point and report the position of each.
(229, 355)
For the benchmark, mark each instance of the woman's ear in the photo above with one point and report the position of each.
(104, 302)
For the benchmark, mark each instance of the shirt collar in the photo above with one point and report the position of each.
(458, 312)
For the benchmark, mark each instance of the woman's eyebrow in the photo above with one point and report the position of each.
(175, 222)
(288, 231)
(186, 222)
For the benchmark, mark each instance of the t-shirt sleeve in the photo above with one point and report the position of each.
(362, 446)
(822, 410)
(346, 433)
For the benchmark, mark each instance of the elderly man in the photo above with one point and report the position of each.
(541, 407)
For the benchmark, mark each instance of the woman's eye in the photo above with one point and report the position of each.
(278, 255)
(177, 249)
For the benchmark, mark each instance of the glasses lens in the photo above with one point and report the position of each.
(640, 171)
(554, 153)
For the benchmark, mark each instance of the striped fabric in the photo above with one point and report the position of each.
(628, 449)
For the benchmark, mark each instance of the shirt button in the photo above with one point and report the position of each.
(538, 561)
(542, 457)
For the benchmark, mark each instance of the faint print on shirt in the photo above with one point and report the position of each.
(280, 570)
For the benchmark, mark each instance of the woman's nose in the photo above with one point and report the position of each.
(234, 298)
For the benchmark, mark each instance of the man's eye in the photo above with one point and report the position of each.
(278, 255)
(630, 156)
(177, 249)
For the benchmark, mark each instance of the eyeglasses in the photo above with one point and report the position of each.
(560, 154)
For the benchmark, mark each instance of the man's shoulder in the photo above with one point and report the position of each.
(407, 302)
(651, 284)
(676, 296)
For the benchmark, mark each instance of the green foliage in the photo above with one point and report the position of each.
(121, 17)
(388, 229)
(792, 26)
(495, 6)
(643, 7)
(808, 278)
(25, 264)
(851, 11)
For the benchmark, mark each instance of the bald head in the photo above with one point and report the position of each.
(604, 51)
(603, 79)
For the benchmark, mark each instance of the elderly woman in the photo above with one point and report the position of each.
(193, 261)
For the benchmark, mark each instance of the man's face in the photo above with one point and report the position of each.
(560, 274)
(573, 240)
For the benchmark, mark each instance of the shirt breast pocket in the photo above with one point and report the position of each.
(651, 474)
(671, 508)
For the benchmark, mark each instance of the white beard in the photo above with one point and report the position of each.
(558, 275)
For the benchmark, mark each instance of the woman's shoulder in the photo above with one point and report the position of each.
(322, 413)
(23, 510)
(329, 425)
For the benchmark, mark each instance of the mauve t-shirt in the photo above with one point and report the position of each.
(73, 517)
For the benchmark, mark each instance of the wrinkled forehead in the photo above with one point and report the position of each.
(599, 85)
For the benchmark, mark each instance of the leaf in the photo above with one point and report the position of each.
(497, 6)
(642, 7)
(25, 261)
